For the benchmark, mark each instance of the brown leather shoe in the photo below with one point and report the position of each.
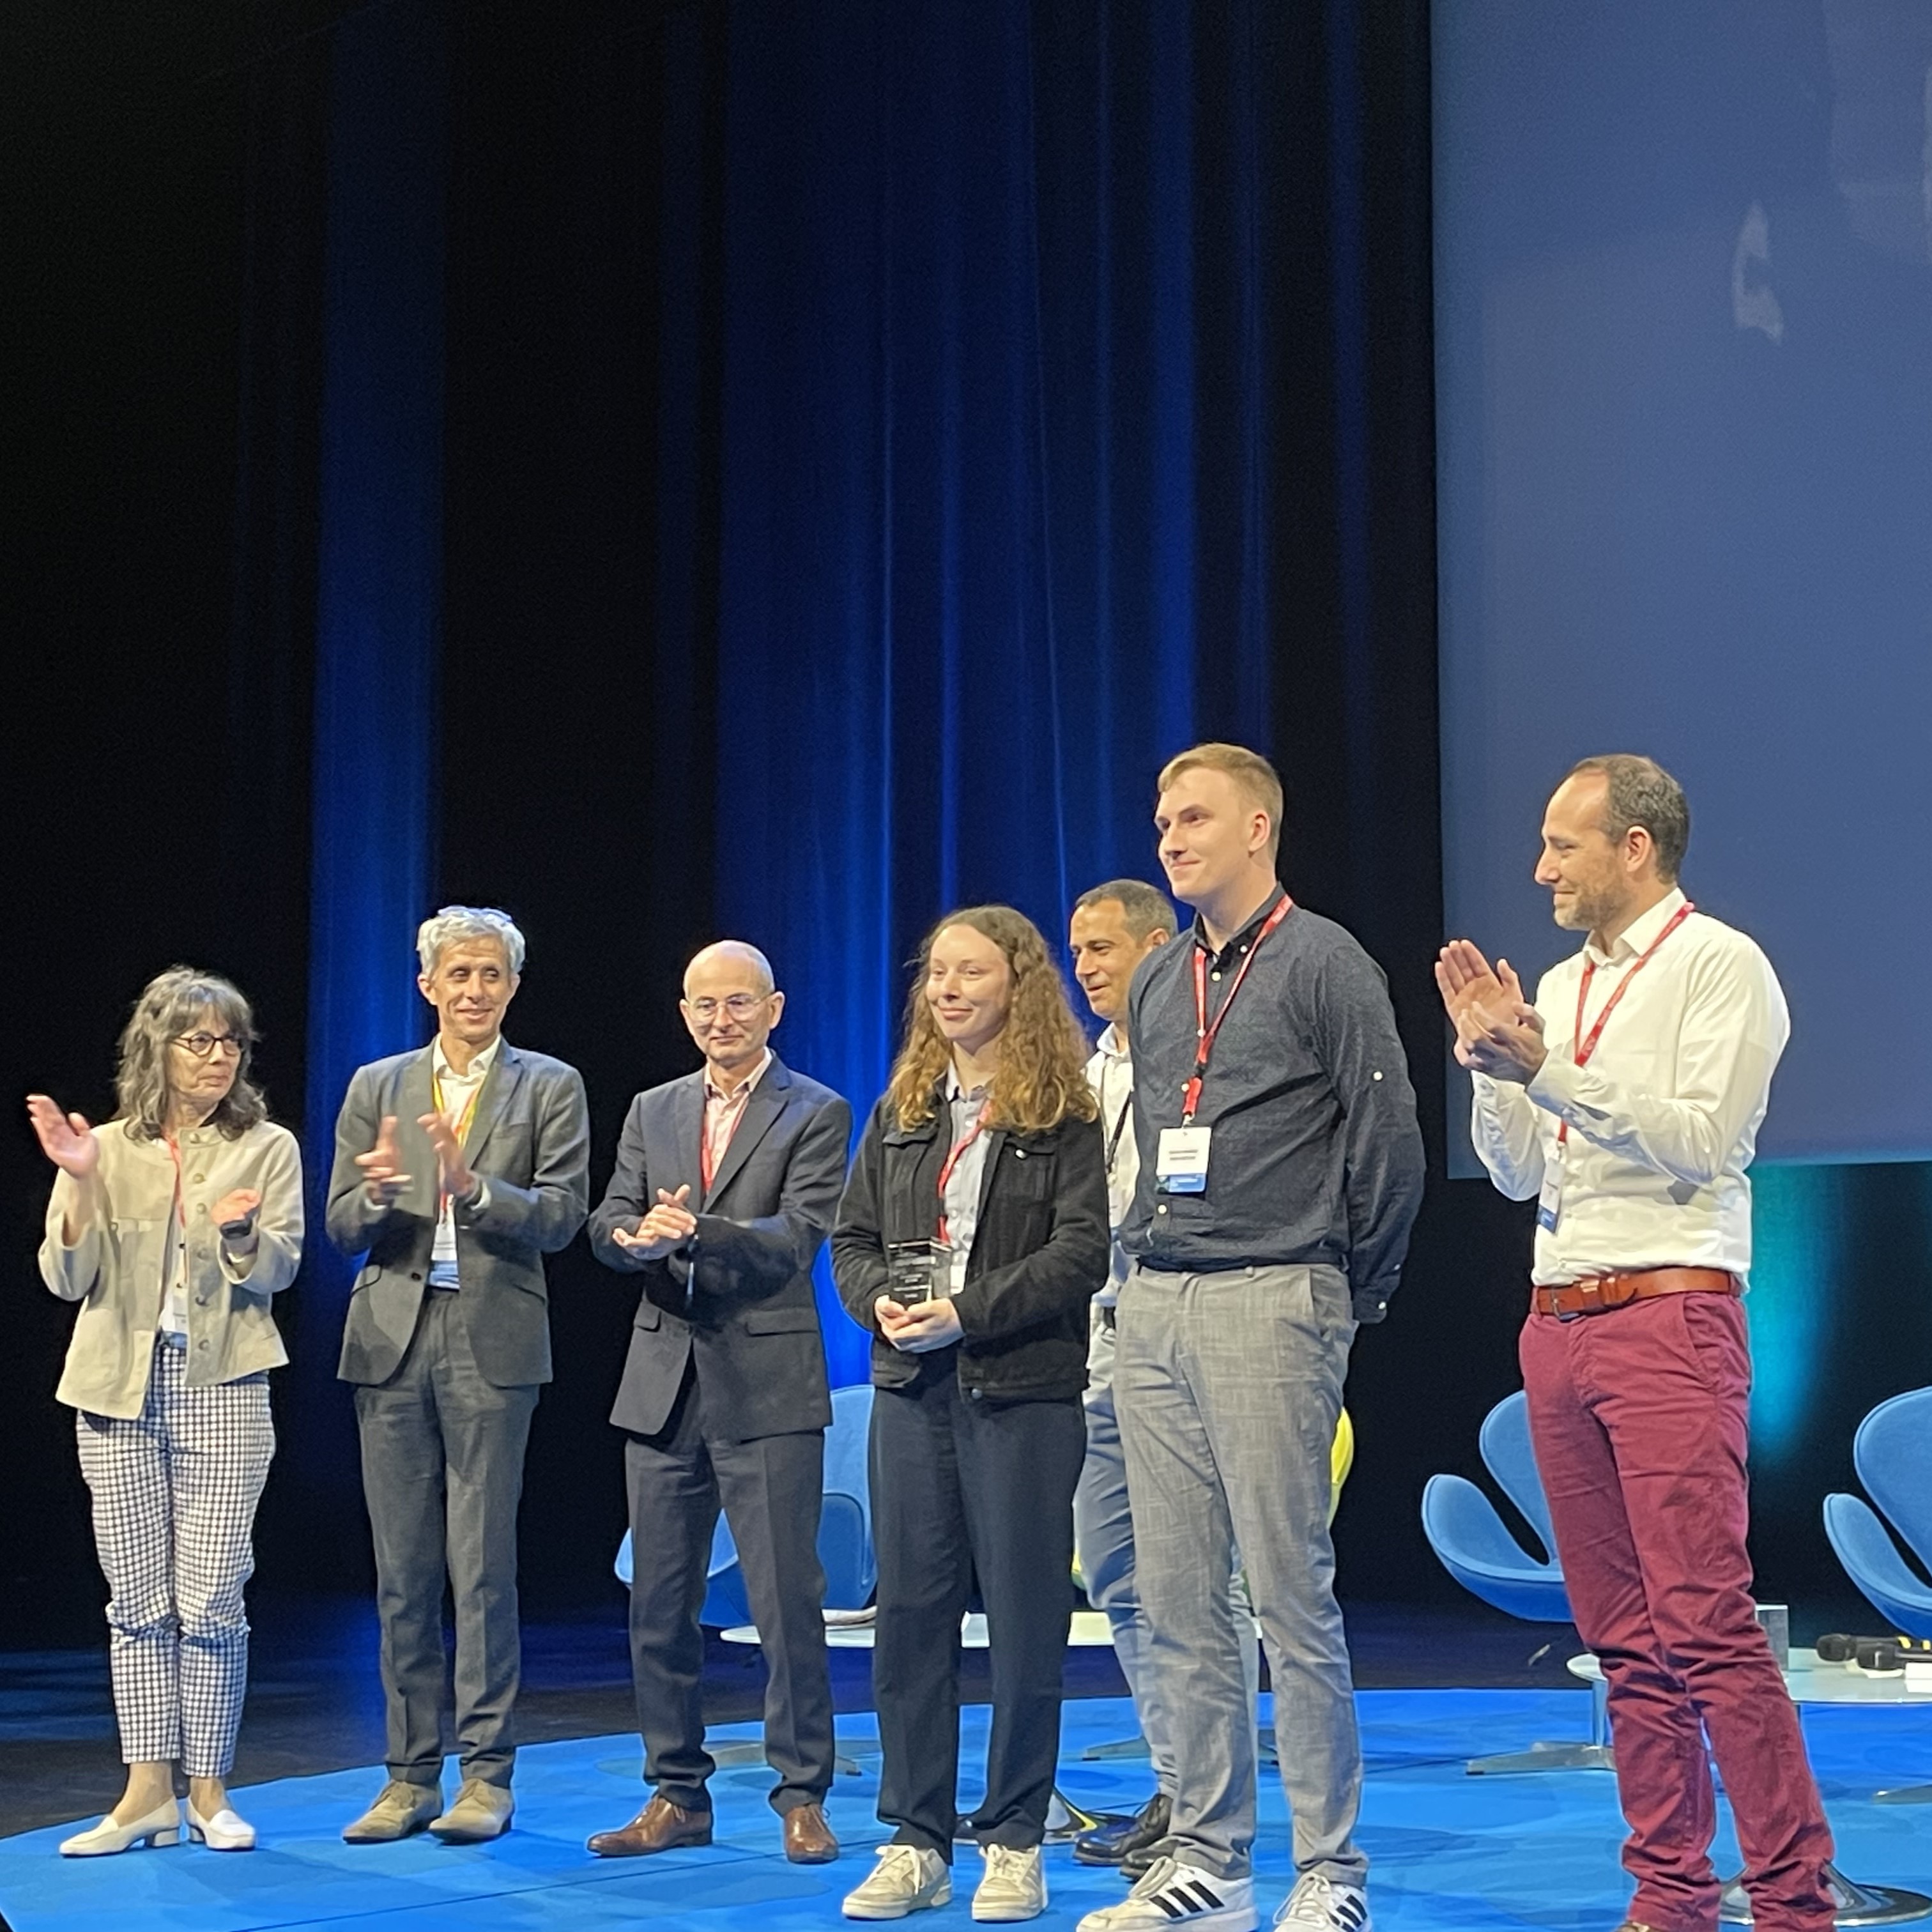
(661, 1826)
(808, 1837)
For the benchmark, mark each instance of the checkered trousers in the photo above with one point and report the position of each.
(174, 1491)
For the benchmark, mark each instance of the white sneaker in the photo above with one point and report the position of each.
(1320, 1905)
(1014, 1887)
(1175, 1895)
(908, 1878)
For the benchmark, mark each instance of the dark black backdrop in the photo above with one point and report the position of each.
(162, 411)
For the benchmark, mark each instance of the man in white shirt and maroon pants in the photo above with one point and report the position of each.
(1627, 1099)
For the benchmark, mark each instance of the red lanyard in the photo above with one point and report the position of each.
(180, 1214)
(1190, 1094)
(1586, 1043)
(952, 1160)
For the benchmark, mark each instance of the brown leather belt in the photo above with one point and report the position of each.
(1596, 1292)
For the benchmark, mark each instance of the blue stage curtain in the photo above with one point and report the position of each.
(378, 581)
(993, 505)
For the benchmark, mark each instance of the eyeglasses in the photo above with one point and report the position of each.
(201, 1045)
(739, 1006)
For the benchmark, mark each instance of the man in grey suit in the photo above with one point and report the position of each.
(727, 1182)
(458, 1167)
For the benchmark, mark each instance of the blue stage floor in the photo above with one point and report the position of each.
(1449, 1850)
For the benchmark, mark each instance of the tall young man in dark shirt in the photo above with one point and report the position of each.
(1281, 1168)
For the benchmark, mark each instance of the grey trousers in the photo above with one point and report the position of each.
(1103, 1542)
(1229, 1388)
(443, 1472)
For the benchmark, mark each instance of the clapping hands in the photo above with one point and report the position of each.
(383, 1177)
(66, 1139)
(663, 1229)
(1498, 1032)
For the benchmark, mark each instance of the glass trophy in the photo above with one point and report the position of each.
(917, 1271)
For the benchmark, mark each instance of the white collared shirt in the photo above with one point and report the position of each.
(1663, 1121)
(458, 1090)
(963, 1185)
(1110, 1073)
(723, 1111)
(174, 1302)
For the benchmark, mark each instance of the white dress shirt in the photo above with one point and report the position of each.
(1664, 1121)
(458, 1090)
(1110, 1073)
(961, 1199)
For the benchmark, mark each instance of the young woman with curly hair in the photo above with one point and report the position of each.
(971, 1238)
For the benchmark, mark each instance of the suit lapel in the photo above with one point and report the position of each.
(505, 1075)
(687, 1123)
(409, 1100)
(765, 1103)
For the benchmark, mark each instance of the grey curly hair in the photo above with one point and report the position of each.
(172, 1004)
(455, 924)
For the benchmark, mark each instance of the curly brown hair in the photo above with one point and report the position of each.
(1042, 1076)
(172, 1004)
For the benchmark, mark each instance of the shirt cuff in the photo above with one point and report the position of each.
(1553, 1085)
(1371, 1298)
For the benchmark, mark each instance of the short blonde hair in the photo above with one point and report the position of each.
(1254, 777)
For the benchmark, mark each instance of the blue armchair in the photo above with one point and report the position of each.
(1892, 1452)
(845, 1526)
(1477, 1548)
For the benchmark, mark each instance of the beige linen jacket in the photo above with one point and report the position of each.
(115, 1269)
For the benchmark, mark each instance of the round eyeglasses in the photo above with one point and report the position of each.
(203, 1044)
(738, 1006)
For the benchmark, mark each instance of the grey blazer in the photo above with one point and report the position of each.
(742, 1304)
(530, 1139)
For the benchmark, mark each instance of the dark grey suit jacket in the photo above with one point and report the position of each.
(530, 1139)
(742, 1304)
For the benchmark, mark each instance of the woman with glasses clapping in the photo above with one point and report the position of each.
(172, 1226)
(971, 1238)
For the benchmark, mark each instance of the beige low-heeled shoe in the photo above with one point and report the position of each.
(160, 1826)
(225, 1832)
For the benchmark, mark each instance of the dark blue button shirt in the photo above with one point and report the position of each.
(1316, 1157)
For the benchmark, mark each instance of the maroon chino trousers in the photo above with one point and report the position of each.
(1640, 1418)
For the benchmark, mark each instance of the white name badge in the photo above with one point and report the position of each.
(1550, 1202)
(1180, 1159)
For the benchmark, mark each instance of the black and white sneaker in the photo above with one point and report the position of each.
(1318, 1904)
(1172, 1894)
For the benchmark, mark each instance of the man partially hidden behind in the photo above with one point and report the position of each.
(458, 1167)
(1627, 1100)
(1113, 928)
(726, 1184)
(1280, 1170)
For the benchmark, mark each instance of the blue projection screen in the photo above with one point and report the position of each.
(1684, 366)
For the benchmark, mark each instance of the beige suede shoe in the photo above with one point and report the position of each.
(481, 1812)
(402, 1809)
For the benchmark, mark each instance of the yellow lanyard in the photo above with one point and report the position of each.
(462, 1128)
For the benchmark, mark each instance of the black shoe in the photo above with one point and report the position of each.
(1117, 1840)
(1136, 1864)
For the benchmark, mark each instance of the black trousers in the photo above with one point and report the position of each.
(771, 1490)
(963, 1488)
